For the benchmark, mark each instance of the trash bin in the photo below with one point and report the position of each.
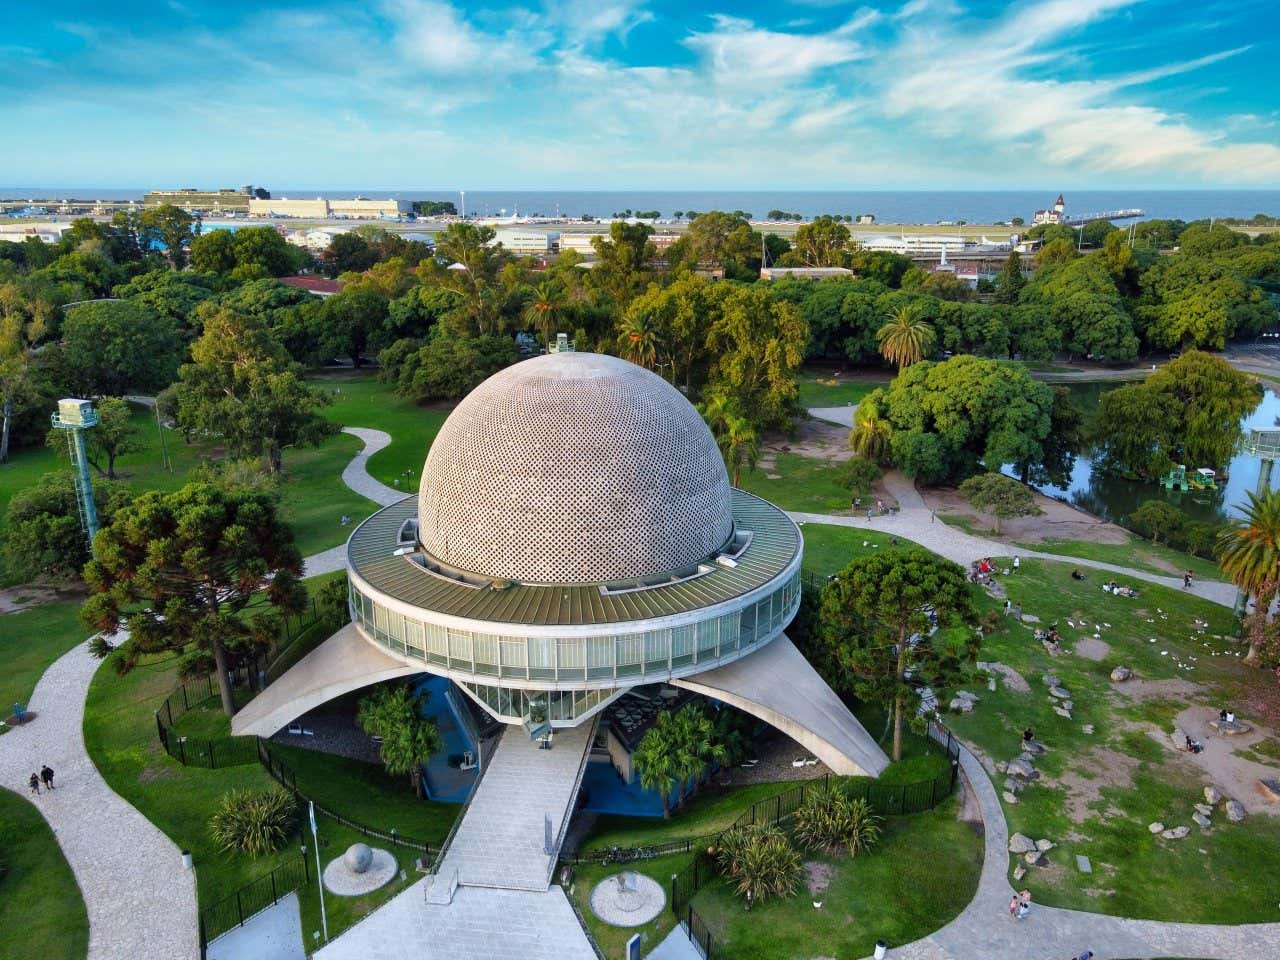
(881, 949)
(186, 859)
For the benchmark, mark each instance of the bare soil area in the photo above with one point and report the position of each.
(1093, 771)
(775, 754)
(818, 876)
(1091, 649)
(28, 595)
(1219, 762)
(812, 438)
(1060, 521)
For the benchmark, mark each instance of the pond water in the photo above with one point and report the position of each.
(1113, 498)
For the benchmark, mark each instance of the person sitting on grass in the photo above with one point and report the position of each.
(1077, 575)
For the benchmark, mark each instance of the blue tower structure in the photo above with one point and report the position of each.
(76, 416)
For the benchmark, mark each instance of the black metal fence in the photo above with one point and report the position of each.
(251, 899)
(285, 776)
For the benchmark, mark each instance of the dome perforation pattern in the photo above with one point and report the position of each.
(574, 468)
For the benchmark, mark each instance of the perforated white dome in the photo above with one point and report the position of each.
(574, 468)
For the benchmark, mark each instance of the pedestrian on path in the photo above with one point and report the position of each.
(868, 513)
(34, 783)
(1008, 606)
(1186, 580)
(1024, 904)
(1014, 906)
(932, 514)
(46, 775)
(1016, 561)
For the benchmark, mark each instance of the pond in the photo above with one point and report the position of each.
(1113, 498)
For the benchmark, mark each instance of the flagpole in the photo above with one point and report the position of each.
(315, 842)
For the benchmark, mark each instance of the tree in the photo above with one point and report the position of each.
(169, 228)
(822, 243)
(757, 343)
(907, 338)
(476, 264)
(183, 569)
(348, 320)
(347, 252)
(1011, 280)
(1249, 554)
(241, 387)
(394, 713)
(655, 760)
(1192, 302)
(543, 310)
(42, 531)
(112, 347)
(872, 434)
(1156, 517)
(696, 747)
(170, 294)
(449, 367)
(875, 617)
(1002, 497)
(622, 262)
(857, 475)
(214, 252)
(670, 324)
(638, 338)
(113, 437)
(24, 323)
(738, 441)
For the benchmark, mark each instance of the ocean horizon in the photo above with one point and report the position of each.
(892, 206)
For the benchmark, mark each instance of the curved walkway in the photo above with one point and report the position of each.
(985, 929)
(357, 476)
(140, 900)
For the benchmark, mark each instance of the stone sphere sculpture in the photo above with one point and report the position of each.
(358, 857)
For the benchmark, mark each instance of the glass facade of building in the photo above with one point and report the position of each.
(606, 661)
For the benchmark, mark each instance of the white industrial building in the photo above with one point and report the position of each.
(526, 242)
(358, 208)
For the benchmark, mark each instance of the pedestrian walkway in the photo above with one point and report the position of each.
(357, 476)
(140, 900)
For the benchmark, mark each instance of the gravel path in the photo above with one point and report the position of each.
(356, 475)
(140, 900)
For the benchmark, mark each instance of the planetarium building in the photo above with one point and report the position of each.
(575, 536)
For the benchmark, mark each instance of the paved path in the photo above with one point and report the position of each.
(140, 900)
(356, 475)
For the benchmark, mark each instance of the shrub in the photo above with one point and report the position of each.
(829, 819)
(857, 475)
(253, 821)
(760, 860)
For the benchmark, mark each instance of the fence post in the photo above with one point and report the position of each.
(902, 799)
(306, 869)
(274, 898)
(168, 705)
(212, 764)
(185, 704)
(182, 752)
(777, 817)
(239, 909)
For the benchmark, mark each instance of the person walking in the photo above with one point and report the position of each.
(1017, 562)
(1008, 606)
(46, 776)
(1024, 904)
(34, 782)
(1014, 905)
(1186, 580)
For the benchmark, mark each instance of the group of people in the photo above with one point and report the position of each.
(45, 777)
(879, 508)
(1120, 591)
(1020, 905)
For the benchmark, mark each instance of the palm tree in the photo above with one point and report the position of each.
(739, 445)
(1249, 554)
(871, 434)
(544, 310)
(906, 338)
(408, 738)
(654, 758)
(696, 746)
(638, 339)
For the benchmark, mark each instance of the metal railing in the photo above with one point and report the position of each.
(251, 899)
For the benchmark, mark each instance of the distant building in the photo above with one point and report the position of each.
(913, 244)
(526, 242)
(804, 273)
(320, 286)
(284, 207)
(362, 208)
(46, 232)
(1052, 215)
(866, 218)
(202, 201)
(314, 239)
(580, 242)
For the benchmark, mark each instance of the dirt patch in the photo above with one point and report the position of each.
(812, 438)
(29, 595)
(818, 876)
(1093, 771)
(1059, 521)
(774, 755)
(1092, 649)
(1236, 776)
(1012, 678)
(1174, 689)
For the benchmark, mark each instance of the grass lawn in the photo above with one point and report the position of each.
(1098, 792)
(922, 874)
(1137, 553)
(41, 912)
(360, 400)
(613, 940)
(793, 482)
(828, 548)
(822, 389)
(29, 642)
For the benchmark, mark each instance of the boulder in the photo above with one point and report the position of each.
(1270, 789)
(966, 695)
(1062, 693)
(1021, 843)
(1212, 794)
(1050, 680)
(1083, 864)
(1201, 820)
(960, 705)
(1086, 728)
(1178, 738)
(1033, 859)
(1204, 808)
(1232, 729)
(1013, 784)
(1044, 846)
(1235, 811)
(1020, 768)
(1176, 833)
(1036, 748)
(1156, 827)
(358, 857)
(1067, 705)
(1019, 872)
(1121, 674)
(1051, 648)
(1062, 712)
(1009, 797)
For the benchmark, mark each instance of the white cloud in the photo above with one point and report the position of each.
(584, 20)
(738, 52)
(439, 39)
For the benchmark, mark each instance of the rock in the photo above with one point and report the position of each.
(960, 705)
(1020, 768)
(1083, 864)
(1026, 756)
(1176, 833)
(1037, 748)
(1270, 789)
(1212, 794)
(1086, 728)
(1235, 811)
(1019, 872)
(1051, 648)
(1020, 843)
(1201, 820)
(1062, 713)
(966, 695)
(1067, 705)
(1121, 674)
(1044, 846)
(991, 684)
(1156, 827)
(1232, 729)
(1013, 784)
(1033, 859)
(358, 857)
(1204, 808)
(1178, 738)
(1050, 680)
(1060, 692)
(1009, 797)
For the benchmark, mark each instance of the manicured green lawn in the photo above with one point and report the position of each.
(1099, 791)
(793, 482)
(360, 400)
(1137, 553)
(922, 874)
(41, 911)
(829, 549)
(613, 940)
(822, 389)
(29, 642)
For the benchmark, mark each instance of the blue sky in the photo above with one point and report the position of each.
(603, 94)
